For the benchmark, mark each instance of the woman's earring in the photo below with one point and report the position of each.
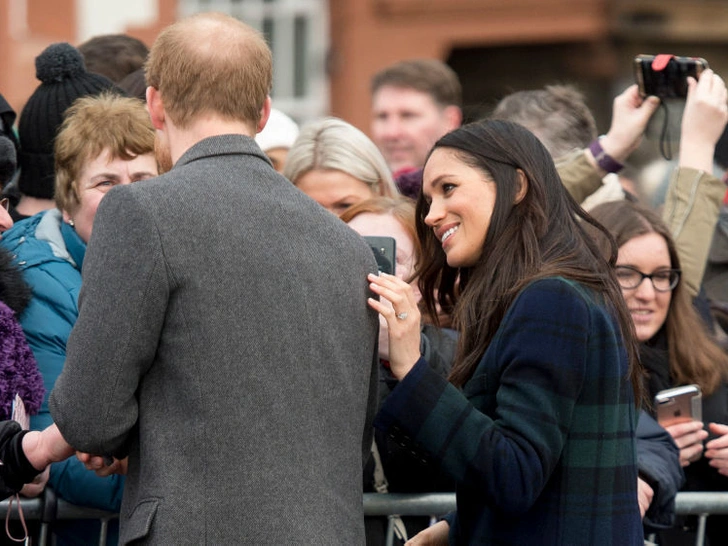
(70, 222)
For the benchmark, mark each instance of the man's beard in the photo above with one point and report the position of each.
(162, 154)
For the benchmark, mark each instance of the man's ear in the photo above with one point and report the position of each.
(155, 107)
(522, 187)
(264, 115)
(453, 117)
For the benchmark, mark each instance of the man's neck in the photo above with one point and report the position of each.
(181, 140)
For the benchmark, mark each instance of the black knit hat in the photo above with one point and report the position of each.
(8, 143)
(63, 79)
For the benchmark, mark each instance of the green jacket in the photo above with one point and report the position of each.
(691, 209)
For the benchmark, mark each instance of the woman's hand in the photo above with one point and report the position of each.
(630, 115)
(102, 465)
(644, 496)
(436, 535)
(703, 121)
(36, 487)
(399, 310)
(45, 447)
(717, 450)
(689, 438)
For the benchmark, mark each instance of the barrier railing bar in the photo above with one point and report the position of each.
(382, 504)
(375, 504)
(697, 503)
(405, 504)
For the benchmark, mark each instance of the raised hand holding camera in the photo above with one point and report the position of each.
(666, 76)
(704, 118)
(630, 115)
(673, 78)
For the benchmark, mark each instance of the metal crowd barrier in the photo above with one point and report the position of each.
(49, 508)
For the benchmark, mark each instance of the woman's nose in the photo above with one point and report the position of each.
(434, 215)
(645, 290)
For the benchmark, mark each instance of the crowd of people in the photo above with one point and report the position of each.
(203, 340)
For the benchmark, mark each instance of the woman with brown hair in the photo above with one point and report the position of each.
(104, 141)
(676, 347)
(536, 424)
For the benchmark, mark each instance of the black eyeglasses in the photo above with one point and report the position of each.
(663, 280)
(5, 203)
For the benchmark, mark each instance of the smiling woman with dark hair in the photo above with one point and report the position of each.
(537, 421)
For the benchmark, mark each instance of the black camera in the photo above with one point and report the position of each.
(666, 76)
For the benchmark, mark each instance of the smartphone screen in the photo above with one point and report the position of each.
(384, 249)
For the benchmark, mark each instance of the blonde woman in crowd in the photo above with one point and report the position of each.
(337, 165)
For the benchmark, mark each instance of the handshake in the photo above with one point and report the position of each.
(25, 454)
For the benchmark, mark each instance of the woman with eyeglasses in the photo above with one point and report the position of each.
(676, 346)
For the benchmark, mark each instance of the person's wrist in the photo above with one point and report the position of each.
(34, 451)
(399, 371)
(696, 156)
(600, 149)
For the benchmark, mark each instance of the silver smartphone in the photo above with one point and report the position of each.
(679, 405)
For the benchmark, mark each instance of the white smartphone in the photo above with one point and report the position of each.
(679, 405)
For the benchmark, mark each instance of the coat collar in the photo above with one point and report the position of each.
(221, 145)
(74, 244)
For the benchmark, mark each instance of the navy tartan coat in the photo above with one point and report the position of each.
(541, 439)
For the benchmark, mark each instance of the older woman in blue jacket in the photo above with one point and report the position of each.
(91, 159)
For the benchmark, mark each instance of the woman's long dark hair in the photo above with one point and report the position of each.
(535, 238)
(696, 358)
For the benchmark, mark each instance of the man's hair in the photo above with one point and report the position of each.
(333, 144)
(113, 55)
(557, 115)
(211, 63)
(92, 125)
(426, 75)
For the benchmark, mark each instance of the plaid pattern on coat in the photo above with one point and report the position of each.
(541, 439)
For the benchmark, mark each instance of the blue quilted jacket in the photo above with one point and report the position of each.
(50, 255)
